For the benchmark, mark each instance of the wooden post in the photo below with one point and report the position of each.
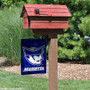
(53, 80)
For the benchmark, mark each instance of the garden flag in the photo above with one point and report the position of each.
(33, 56)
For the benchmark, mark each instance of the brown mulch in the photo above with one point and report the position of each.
(65, 71)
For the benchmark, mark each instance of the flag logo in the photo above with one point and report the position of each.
(34, 59)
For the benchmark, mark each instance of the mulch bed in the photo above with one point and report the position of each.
(65, 71)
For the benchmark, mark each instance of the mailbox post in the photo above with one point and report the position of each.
(47, 20)
(53, 79)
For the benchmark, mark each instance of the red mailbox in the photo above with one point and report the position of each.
(45, 19)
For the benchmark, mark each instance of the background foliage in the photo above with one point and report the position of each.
(73, 44)
(11, 32)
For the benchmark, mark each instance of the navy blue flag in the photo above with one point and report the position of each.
(33, 56)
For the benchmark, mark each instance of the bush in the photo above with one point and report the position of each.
(85, 25)
(70, 47)
(12, 3)
(85, 28)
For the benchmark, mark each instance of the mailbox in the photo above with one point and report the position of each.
(45, 19)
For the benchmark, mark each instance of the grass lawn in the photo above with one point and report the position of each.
(11, 80)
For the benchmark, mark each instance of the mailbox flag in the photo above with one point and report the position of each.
(33, 56)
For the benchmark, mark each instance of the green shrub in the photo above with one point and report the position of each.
(12, 3)
(70, 47)
(85, 25)
(85, 28)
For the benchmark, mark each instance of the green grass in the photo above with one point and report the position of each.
(11, 33)
(11, 80)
